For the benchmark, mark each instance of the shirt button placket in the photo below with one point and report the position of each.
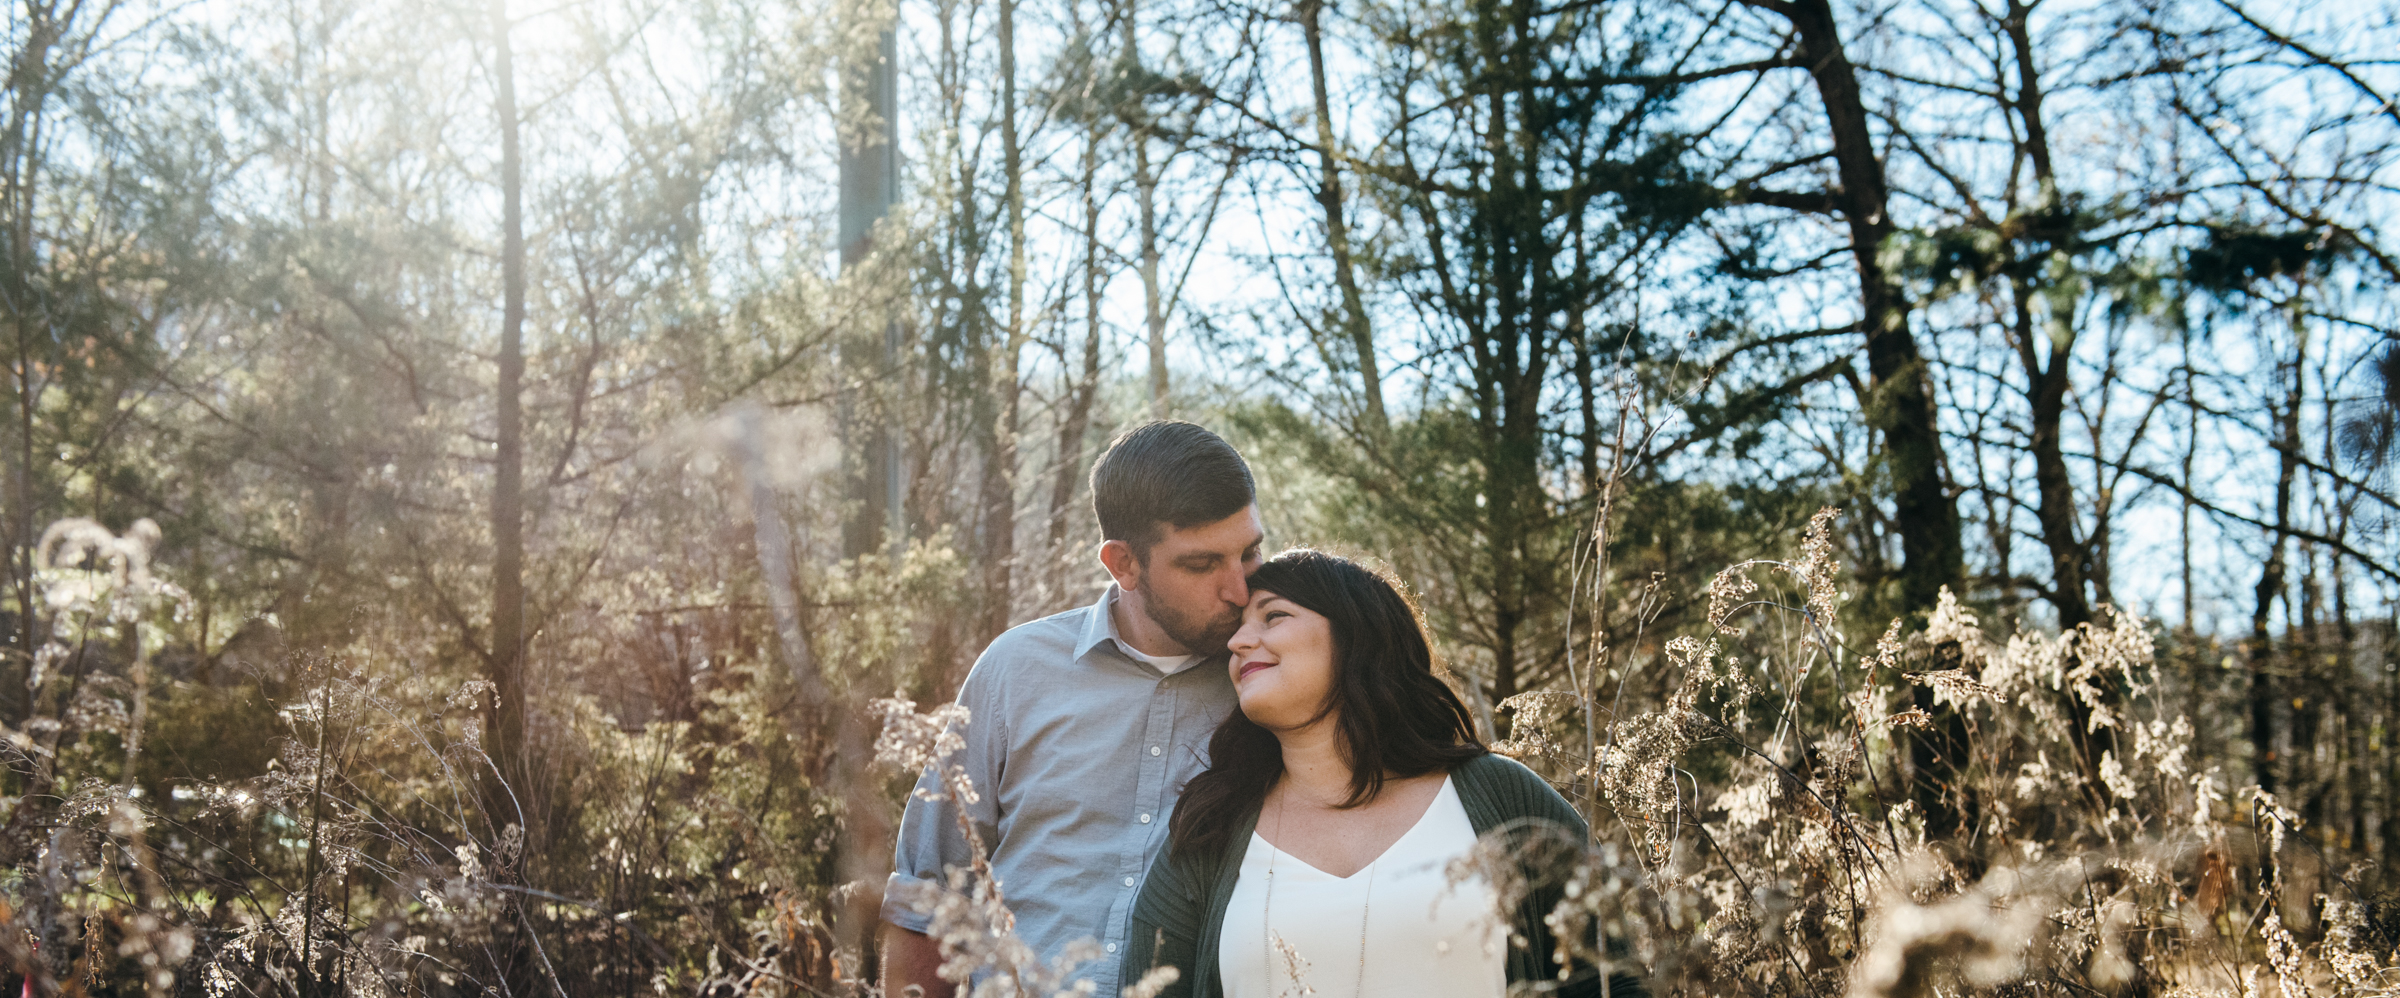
(1156, 728)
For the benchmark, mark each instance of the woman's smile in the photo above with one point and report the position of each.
(1249, 667)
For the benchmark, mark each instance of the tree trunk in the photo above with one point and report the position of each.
(20, 472)
(31, 84)
(515, 801)
(1154, 316)
(508, 476)
(1902, 405)
(1086, 386)
(1337, 229)
(2387, 770)
(1587, 409)
(869, 175)
(2260, 655)
(1514, 358)
(2055, 502)
(2353, 752)
(999, 497)
(2191, 452)
(2046, 386)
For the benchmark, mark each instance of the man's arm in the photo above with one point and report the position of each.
(912, 958)
(929, 844)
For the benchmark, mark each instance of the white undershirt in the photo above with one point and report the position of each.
(1167, 665)
(1423, 934)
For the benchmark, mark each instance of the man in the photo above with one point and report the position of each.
(1083, 726)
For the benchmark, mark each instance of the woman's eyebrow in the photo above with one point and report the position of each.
(1266, 598)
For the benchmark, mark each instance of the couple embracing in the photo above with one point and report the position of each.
(1246, 769)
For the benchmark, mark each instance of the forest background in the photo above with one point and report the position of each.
(468, 467)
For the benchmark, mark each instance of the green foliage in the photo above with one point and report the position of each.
(2235, 258)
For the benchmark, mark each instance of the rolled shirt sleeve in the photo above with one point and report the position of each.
(930, 843)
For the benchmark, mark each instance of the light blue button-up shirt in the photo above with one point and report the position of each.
(1077, 750)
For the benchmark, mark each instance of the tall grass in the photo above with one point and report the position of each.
(1913, 809)
(1797, 818)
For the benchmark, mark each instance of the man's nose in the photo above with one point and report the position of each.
(1236, 589)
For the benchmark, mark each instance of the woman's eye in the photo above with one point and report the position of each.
(1272, 614)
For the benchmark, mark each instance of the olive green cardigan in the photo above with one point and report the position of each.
(1180, 914)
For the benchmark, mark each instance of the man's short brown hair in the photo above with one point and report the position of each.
(1167, 471)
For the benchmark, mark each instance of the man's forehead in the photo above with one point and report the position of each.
(1233, 536)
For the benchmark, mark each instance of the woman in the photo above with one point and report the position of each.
(1319, 841)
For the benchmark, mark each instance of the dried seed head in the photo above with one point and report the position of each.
(1725, 594)
(912, 741)
(1957, 687)
(1819, 571)
(1910, 718)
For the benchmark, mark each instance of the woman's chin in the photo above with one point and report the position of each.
(1273, 713)
(1262, 710)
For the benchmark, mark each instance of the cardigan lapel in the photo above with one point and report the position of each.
(1229, 869)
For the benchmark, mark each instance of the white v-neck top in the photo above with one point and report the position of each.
(1401, 919)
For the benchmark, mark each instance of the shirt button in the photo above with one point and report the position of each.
(1153, 750)
(1112, 947)
(1129, 881)
(1145, 819)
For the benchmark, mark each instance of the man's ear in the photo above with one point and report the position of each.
(1122, 564)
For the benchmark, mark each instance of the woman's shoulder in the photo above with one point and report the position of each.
(1505, 790)
(1497, 771)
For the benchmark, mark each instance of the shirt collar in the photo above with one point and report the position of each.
(1099, 625)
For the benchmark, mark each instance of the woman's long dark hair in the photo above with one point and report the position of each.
(1394, 715)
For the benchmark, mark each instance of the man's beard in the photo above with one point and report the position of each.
(1201, 635)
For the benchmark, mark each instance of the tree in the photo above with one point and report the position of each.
(1333, 209)
(1517, 194)
(1898, 401)
(507, 649)
(870, 182)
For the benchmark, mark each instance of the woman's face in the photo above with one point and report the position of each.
(1282, 662)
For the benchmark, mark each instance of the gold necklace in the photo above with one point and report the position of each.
(1266, 913)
